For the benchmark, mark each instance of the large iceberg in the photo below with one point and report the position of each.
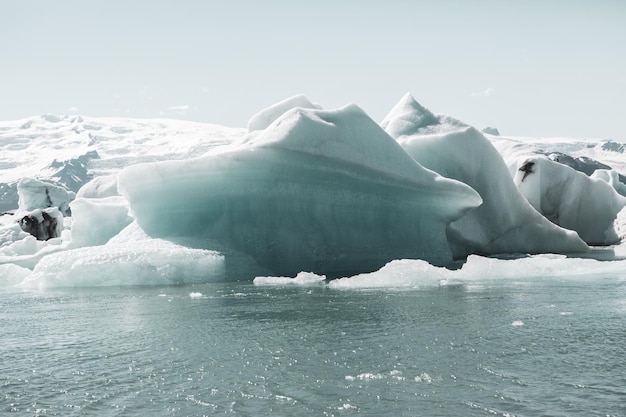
(322, 191)
(505, 222)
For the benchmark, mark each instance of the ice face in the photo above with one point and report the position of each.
(96, 220)
(570, 198)
(324, 191)
(34, 194)
(505, 222)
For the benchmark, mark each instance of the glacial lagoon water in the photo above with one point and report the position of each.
(524, 347)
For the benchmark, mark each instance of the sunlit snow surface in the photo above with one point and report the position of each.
(302, 189)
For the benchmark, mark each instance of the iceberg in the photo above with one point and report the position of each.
(323, 191)
(35, 194)
(505, 222)
(570, 198)
(303, 278)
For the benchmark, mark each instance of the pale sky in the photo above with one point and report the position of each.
(536, 68)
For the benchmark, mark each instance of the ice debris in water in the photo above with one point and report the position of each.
(303, 278)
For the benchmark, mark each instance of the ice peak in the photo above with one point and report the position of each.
(407, 117)
(268, 115)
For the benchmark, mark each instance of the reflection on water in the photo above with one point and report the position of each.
(519, 348)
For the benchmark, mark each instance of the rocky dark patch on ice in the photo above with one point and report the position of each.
(43, 224)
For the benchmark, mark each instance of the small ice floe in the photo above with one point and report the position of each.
(566, 313)
(196, 295)
(303, 278)
(424, 377)
(517, 323)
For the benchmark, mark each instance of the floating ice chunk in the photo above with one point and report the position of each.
(196, 295)
(145, 262)
(570, 198)
(419, 274)
(322, 191)
(34, 194)
(424, 377)
(267, 116)
(505, 222)
(398, 273)
(303, 278)
(96, 220)
(517, 323)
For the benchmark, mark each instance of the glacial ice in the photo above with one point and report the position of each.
(324, 191)
(304, 190)
(611, 177)
(570, 198)
(99, 187)
(35, 194)
(409, 273)
(303, 278)
(505, 222)
(267, 116)
(131, 262)
(11, 275)
(96, 220)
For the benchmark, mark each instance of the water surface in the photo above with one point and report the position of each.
(530, 347)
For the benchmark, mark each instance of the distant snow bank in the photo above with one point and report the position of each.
(96, 202)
